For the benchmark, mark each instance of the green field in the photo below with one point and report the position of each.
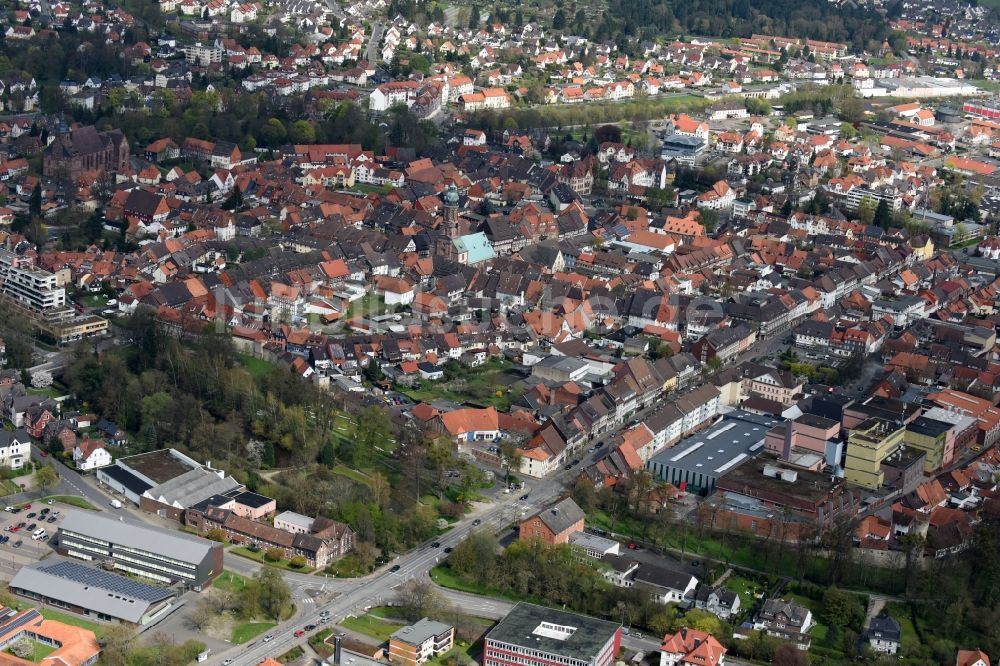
(257, 368)
(249, 630)
(745, 588)
(48, 391)
(73, 620)
(352, 474)
(230, 582)
(372, 626)
(8, 487)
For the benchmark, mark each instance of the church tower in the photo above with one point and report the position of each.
(451, 212)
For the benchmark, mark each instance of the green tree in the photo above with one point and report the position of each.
(46, 477)
(883, 215)
(234, 200)
(302, 132)
(328, 454)
(866, 210)
(708, 218)
(370, 433)
(35, 201)
(559, 19)
(275, 595)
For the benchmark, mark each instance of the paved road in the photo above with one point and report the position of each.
(380, 587)
(372, 53)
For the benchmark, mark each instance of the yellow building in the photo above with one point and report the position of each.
(936, 438)
(870, 443)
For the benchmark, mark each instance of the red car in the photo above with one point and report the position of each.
(15, 528)
(632, 546)
(26, 506)
(299, 632)
(44, 454)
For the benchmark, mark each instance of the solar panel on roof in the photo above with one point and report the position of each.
(30, 616)
(99, 578)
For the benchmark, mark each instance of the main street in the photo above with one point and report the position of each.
(359, 594)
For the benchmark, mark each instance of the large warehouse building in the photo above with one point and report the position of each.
(167, 482)
(149, 552)
(697, 462)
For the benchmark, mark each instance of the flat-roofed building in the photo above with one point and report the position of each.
(140, 549)
(415, 644)
(868, 444)
(533, 635)
(701, 459)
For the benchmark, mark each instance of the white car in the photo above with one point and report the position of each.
(268, 638)
(10, 508)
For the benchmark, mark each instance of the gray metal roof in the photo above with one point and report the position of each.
(175, 545)
(93, 589)
(192, 487)
(732, 440)
(416, 634)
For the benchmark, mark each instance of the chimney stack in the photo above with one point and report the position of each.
(337, 649)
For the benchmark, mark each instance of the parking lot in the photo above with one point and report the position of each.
(17, 547)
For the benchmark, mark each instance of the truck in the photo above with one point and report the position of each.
(116, 504)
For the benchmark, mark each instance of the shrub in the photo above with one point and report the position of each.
(298, 562)
(216, 534)
(274, 554)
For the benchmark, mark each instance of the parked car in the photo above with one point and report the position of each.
(32, 527)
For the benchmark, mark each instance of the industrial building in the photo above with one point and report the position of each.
(698, 461)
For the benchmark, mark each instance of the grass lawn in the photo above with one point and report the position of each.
(72, 500)
(472, 650)
(73, 620)
(292, 654)
(369, 625)
(746, 588)
(243, 551)
(370, 305)
(992, 86)
(94, 300)
(478, 385)
(316, 642)
(41, 650)
(352, 474)
(249, 630)
(256, 367)
(230, 582)
(910, 639)
(48, 391)
(8, 487)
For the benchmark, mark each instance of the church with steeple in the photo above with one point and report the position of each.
(451, 244)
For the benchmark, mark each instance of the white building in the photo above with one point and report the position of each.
(15, 448)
